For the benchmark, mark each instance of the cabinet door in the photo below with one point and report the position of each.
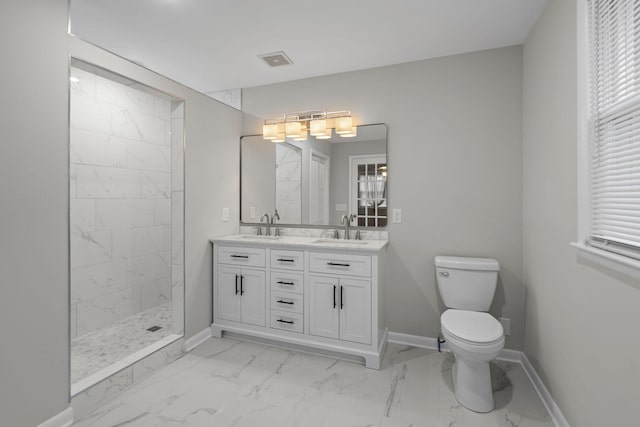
(355, 311)
(252, 299)
(323, 316)
(228, 302)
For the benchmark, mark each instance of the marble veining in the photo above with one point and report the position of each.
(99, 348)
(320, 233)
(225, 382)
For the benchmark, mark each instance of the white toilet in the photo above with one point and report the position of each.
(467, 286)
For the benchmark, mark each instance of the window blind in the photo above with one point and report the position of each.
(614, 39)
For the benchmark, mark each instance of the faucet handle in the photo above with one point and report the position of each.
(358, 237)
(336, 235)
(258, 231)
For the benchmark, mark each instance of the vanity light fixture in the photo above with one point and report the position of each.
(317, 123)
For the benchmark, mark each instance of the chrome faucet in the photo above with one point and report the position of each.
(273, 218)
(346, 221)
(268, 229)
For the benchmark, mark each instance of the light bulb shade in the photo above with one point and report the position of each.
(269, 131)
(281, 137)
(326, 135)
(292, 129)
(303, 136)
(354, 132)
(344, 125)
(318, 127)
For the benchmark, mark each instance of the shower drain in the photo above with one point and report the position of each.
(154, 328)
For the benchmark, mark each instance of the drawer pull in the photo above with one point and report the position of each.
(280, 282)
(339, 264)
(239, 256)
(290, 322)
(286, 260)
(285, 302)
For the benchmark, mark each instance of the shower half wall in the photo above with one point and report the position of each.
(126, 221)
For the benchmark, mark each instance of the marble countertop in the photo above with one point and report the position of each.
(301, 242)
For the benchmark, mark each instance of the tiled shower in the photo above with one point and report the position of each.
(126, 218)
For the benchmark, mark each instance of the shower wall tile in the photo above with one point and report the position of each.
(83, 215)
(110, 92)
(101, 311)
(122, 213)
(132, 242)
(90, 115)
(131, 124)
(150, 157)
(177, 298)
(91, 247)
(74, 321)
(154, 293)
(148, 268)
(97, 149)
(156, 185)
(73, 181)
(177, 228)
(99, 279)
(103, 182)
(162, 212)
(177, 155)
(162, 108)
(85, 84)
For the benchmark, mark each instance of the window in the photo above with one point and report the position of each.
(614, 126)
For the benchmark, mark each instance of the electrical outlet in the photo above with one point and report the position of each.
(506, 325)
(396, 216)
(252, 212)
(225, 214)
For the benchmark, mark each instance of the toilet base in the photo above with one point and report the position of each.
(472, 384)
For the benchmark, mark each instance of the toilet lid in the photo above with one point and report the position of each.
(472, 326)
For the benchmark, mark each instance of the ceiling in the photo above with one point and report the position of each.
(213, 45)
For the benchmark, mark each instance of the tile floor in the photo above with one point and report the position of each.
(100, 348)
(225, 382)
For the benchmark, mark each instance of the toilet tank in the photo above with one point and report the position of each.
(467, 283)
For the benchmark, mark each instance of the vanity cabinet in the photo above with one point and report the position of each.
(323, 298)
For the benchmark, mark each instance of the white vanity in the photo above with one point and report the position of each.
(304, 292)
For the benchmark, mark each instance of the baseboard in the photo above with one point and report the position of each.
(63, 419)
(197, 339)
(547, 400)
(506, 355)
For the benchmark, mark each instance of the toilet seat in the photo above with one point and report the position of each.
(472, 327)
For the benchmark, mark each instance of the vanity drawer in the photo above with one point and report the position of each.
(237, 255)
(286, 301)
(287, 260)
(346, 264)
(285, 281)
(287, 321)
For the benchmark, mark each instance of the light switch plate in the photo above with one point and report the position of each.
(225, 214)
(396, 217)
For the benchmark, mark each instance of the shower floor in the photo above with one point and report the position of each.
(100, 348)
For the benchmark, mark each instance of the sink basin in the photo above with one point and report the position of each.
(260, 237)
(340, 242)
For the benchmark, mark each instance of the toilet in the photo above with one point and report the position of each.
(467, 287)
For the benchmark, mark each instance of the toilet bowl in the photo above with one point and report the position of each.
(475, 339)
(467, 287)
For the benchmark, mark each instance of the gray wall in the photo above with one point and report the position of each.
(34, 307)
(34, 171)
(581, 320)
(455, 149)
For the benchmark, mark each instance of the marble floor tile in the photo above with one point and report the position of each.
(98, 349)
(225, 382)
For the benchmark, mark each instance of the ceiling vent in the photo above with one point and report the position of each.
(276, 59)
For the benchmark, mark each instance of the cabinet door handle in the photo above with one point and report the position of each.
(339, 264)
(290, 322)
(341, 297)
(285, 302)
(239, 256)
(241, 283)
(280, 282)
(236, 284)
(334, 296)
(286, 260)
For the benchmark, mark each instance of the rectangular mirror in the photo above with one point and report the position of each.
(316, 182)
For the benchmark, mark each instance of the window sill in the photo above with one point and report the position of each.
(618, 263)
